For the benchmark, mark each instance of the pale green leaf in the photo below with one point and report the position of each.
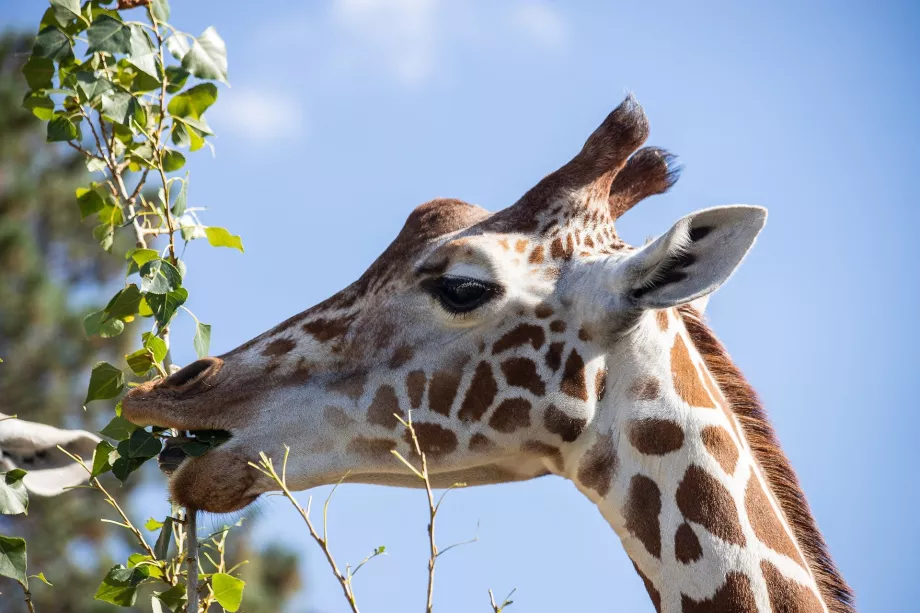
(101, 458)
(14, 499)
(13, 559)
(207, 59)
(220, 237)
(159, 277)
(194, 101)
(202, 340)
(228, 591)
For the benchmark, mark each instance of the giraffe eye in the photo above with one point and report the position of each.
(462, 294)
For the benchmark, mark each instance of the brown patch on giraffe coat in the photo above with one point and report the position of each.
(480, 442)
(735, 596)
(543, 310)
(522, 372)
(415, 387)
(662, 318)
(589, 241)
(687, 547)
(546, 450)
(786, 595)
(643, 506)
(402, 355)
(720, 446)
(433, 439)
(556, 249)
(598, 465)
(512, 414)
(656, 436)
(536, 256)
(352, 385)
(557, 326)
(374, 448)
(383, 407)
(573, 377)
(654, 594)
(566, 426)
(704, 500)
(337, 417)
(521, 335)
(325, 330)
(279, 347)
(645, 388)
(686, 377)
(442, 390)
(480, 394)
(584, 335)
(520, 245)
(554, 356)
(767, 526)
(503, 242)
(600, 383)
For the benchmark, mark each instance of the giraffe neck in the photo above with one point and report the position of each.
(681, 480)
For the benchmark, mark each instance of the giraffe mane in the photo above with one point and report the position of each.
(779, 474)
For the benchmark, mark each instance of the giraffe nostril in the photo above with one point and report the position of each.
(194, 371)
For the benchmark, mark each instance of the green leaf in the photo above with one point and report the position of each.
(105, 235)
(178, 207)
(141, 445)
(161, 547)
(41, 577)
(172, 160)
(228, 591)
(152, 524)
(123, 467)
(159, 277)
(202, 340)
(125, 303)
(120, 106)
(140, 362)
(207, 59)
(14, 499)
(13, 559)
(70, 6)
(174, 598)
(194, 101)
(105, 382)
(220, 237)
(143, 53)
(53, 44)
(89, 201)
(156, 345)
(142, 256)
(176, 76)
(164, 306)
(91, 86)
(100, 324)
(40, 106)
(101, 454)
(120, 585)
(160, 9)
(118, 429)
(178, 47)
(38, 72)
(61, 129)
(108, 34)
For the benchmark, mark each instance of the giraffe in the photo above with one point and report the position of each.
(528, 342)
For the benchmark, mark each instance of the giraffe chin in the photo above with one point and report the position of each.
(218, 482)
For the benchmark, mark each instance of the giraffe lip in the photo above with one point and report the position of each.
(178, 449)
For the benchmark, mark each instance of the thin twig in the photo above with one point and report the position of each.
(191, 533)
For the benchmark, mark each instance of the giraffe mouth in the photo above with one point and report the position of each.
(190, 444)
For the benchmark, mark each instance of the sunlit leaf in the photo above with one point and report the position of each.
(61, 129)
(160, 9)
(143, 54)
(172, 160)
(228, 591)
(159, 277)
(207, 59)
(41, 577)
(156, 345)
(89, 201)
(194, 101)
(220, 237)
(101, 455)
(100, 324)
(125, 303)
(202, 340)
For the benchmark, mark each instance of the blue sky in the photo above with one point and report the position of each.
(344, 115)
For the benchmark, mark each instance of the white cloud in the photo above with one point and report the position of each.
(399, 34)
(258, 114)
(541, 23)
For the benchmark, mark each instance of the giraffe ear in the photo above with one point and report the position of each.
(697, 255)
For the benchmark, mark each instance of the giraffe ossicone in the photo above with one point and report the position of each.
(528, 342)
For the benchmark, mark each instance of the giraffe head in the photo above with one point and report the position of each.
(500, 332)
